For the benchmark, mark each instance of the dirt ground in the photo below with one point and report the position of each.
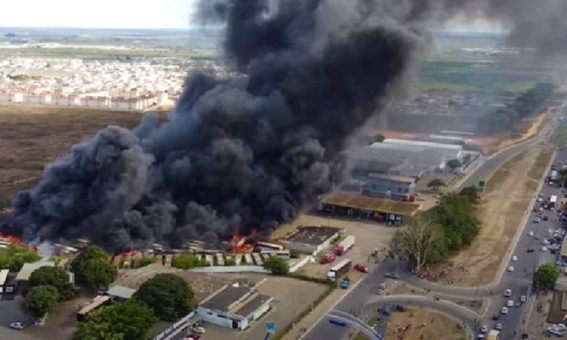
(501, 211)
(423, 324)
(32, 136)
(538, 318)
(369, 237)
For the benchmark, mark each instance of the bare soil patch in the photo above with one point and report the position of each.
(32, 136)
(502, 209)
(423, 324)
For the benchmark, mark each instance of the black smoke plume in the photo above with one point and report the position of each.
(242, 154)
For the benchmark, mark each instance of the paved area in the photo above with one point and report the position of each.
(291, 297)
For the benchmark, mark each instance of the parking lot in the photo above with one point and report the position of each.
(369, 237)
(291, 297)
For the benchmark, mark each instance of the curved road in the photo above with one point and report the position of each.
(363, 298)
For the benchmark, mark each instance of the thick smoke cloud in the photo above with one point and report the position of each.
(242, 154)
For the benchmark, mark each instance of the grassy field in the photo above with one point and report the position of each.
(32, 136)
(559, 137)
(456, 76)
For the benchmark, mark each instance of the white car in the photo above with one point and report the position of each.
(504, 310)
(537, 220)
(523, 298)
(540, 199)
(510, 303)
(484, 329)
(507, 293)
(199, 330)
(544, 248)
(514, 258)
(17, 325)
(545, 242)
(531, 233)
(498, 326)
(510, 268)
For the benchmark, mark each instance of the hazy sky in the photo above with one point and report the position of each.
(97, 13)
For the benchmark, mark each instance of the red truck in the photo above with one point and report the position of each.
(328, 258)
(345, 245)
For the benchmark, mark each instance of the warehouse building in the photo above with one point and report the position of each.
(234, 306)
(368, 208)
(311, 240)
(393, 187)
(398, 157)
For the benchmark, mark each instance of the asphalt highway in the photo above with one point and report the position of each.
(362, 300)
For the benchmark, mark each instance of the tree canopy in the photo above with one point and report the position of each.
(53, 276)
(277, 265)
(168, 295)
(435, 234)
(185, 261)
(93, 269)
(13, 257)
(130, 320)
(40, 300)
(546, 276)
(454, 164)
(505, 119)
(436, 183)
(421, 243)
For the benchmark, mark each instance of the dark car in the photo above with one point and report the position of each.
(495, 317)
(545, 218)
(530, 250)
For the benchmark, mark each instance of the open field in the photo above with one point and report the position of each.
(467, 76)
(501, 211)
(423, 324)
(32, 136)
(559, 137)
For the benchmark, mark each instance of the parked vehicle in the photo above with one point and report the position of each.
(17, 325)
(345, 245)
(510, 268)
(498, 326)
(345, 284)
(393, 276)
(361, 268)
(504, 310)
(523, 298)
(339, 270)
(530, 250)
(510, 303)
(507, 293)
(328, 258)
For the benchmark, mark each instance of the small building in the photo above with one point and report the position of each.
(120, 293)
(28, 268)
(3, 278)
(368, 208)
(234, 306)
(98, 301)
(311, 240)
(394, 187)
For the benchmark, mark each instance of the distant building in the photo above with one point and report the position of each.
(24, 274)
(394, 187)
(120, 293)
(234, 306)
(311, 240)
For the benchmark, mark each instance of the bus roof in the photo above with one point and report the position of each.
(340, 264)
(3, 276)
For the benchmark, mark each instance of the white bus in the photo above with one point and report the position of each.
(3, 278)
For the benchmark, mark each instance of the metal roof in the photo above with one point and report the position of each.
(121, 292)
(357, 201)
(313, 235)
(252, 305)
(402, 179)
(28, 268)
(227, 298)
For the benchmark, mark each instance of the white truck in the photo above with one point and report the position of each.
(345, 245)
(554, 175)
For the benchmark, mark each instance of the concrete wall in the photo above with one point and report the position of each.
(391, 188)
(230, 269)
(221, 319)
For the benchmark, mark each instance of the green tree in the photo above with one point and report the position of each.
(436, 183)
(146, 261)
(13, 257)
(471, 193)
(99, 273)
(130, 320)
(93, 269)
(168, 295)
(185, 261)
(277, 265)
(421, 243)
(546, 276)
(53, 276)
(230, 262)
(456, 216)
(454, 164)
(40, 300)
(78, 265)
